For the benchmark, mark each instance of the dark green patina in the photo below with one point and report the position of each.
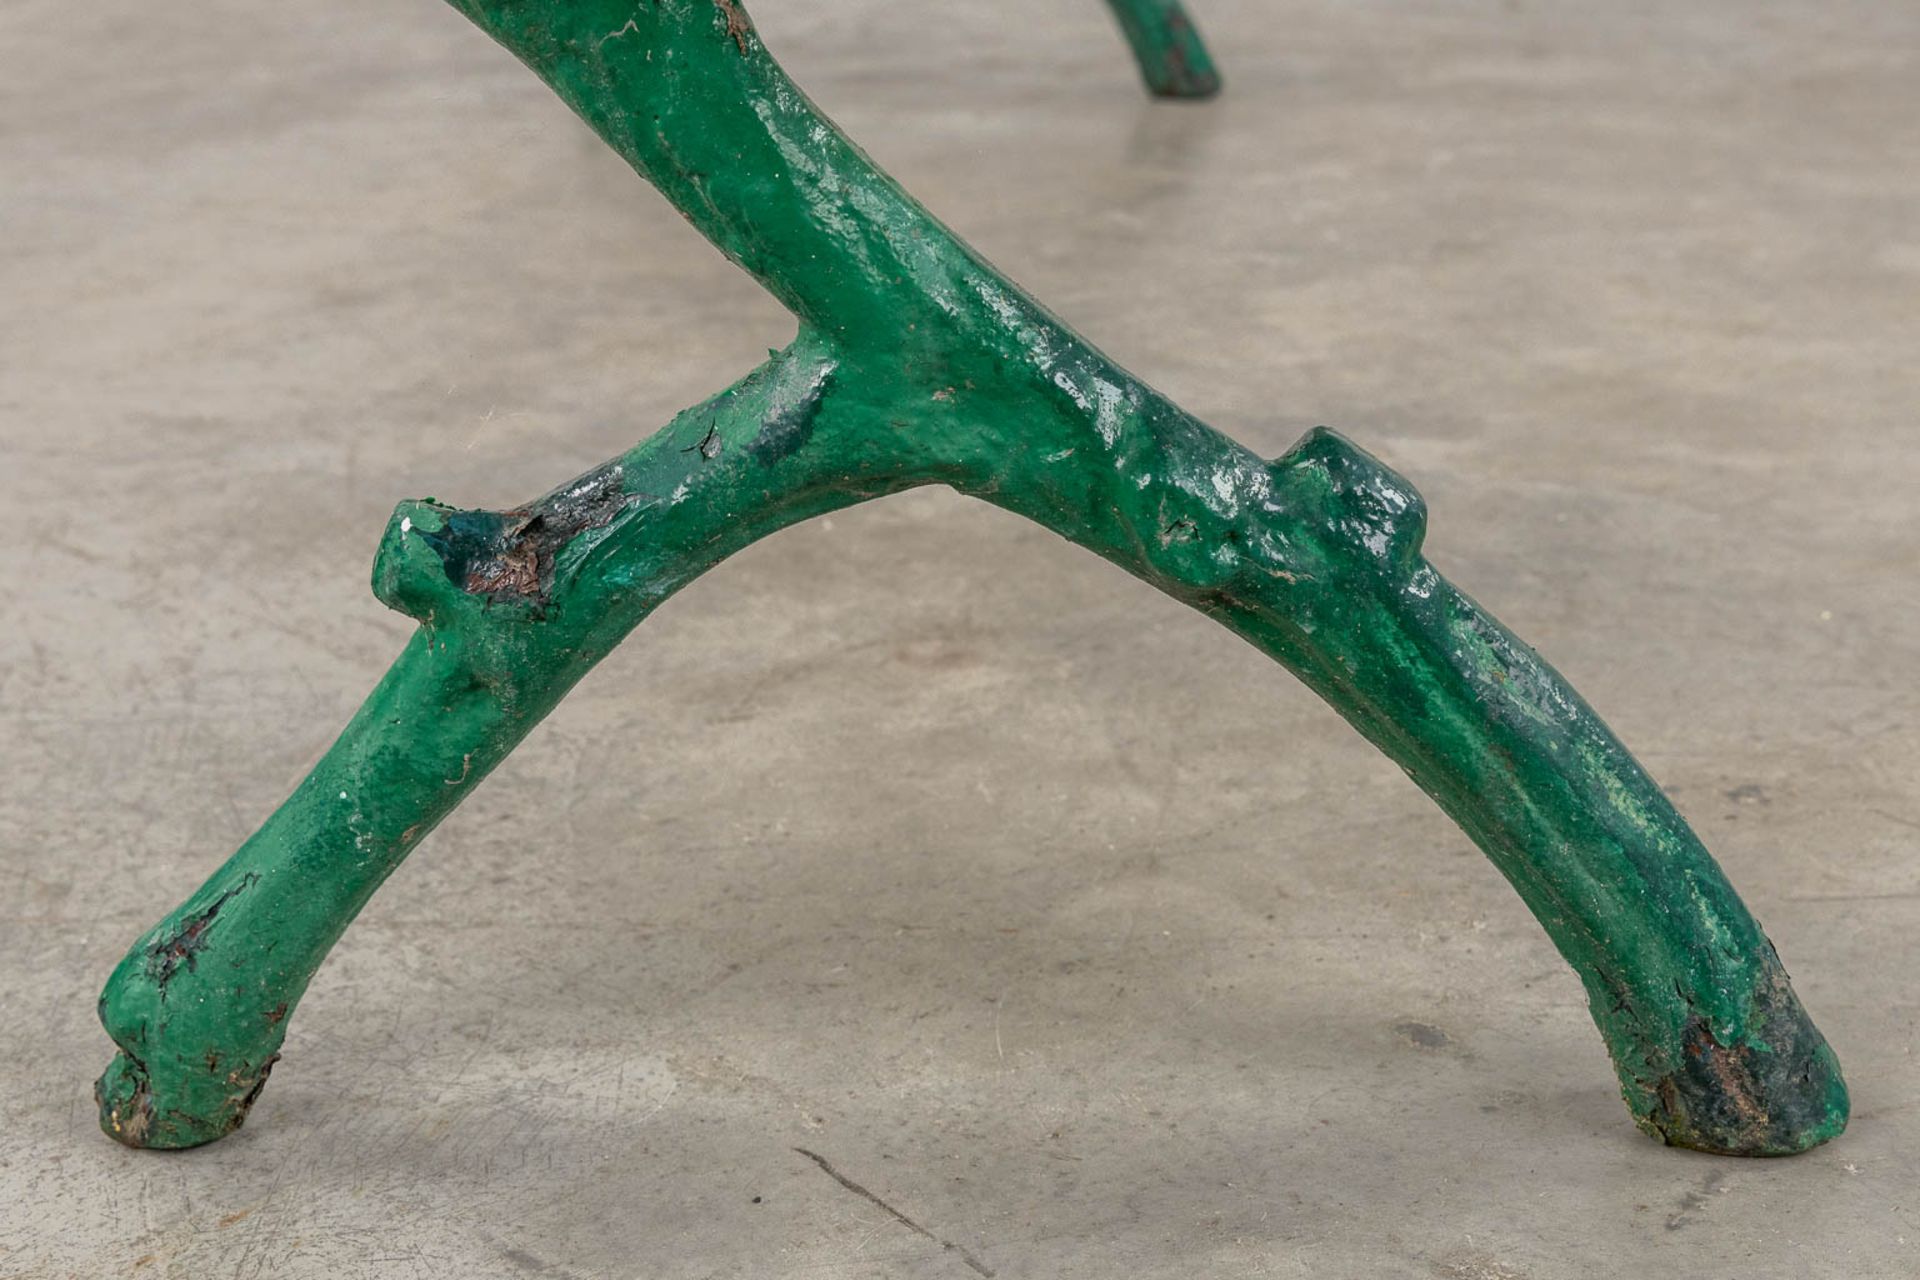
(917, 363)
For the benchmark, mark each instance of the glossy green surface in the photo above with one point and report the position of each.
(917, 363)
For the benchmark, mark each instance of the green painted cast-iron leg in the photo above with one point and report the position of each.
(917, 363)
(1173, 60)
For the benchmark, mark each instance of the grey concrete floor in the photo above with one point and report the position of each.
(1067, 925)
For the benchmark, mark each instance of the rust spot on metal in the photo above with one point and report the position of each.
(738, 25)
(133, 1127)
(1756, 1096)
(509, 555)
(1733, 1071)
(244, 1103)
(514, 572)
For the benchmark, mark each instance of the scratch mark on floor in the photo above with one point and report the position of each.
(899, 1217)
(1694, 1201)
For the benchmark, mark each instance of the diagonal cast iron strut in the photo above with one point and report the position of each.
(917, 363)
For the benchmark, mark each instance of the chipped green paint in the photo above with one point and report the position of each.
(917, 363)
(1166, 44)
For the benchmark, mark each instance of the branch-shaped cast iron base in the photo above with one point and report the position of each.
(917, 363)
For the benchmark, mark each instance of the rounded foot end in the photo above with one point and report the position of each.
(136, 1110)
(1186, 84)
(1778, 1092)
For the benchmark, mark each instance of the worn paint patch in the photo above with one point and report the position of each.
(509, 555)
(182, 944)
(1776, 1092)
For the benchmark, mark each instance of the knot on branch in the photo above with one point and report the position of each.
(434, 555)
(1357, 499)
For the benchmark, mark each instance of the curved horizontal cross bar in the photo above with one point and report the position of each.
(917, 363)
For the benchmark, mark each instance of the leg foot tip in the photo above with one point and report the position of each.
(1776, 1096)
(138, 1111)
(1190, 88)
